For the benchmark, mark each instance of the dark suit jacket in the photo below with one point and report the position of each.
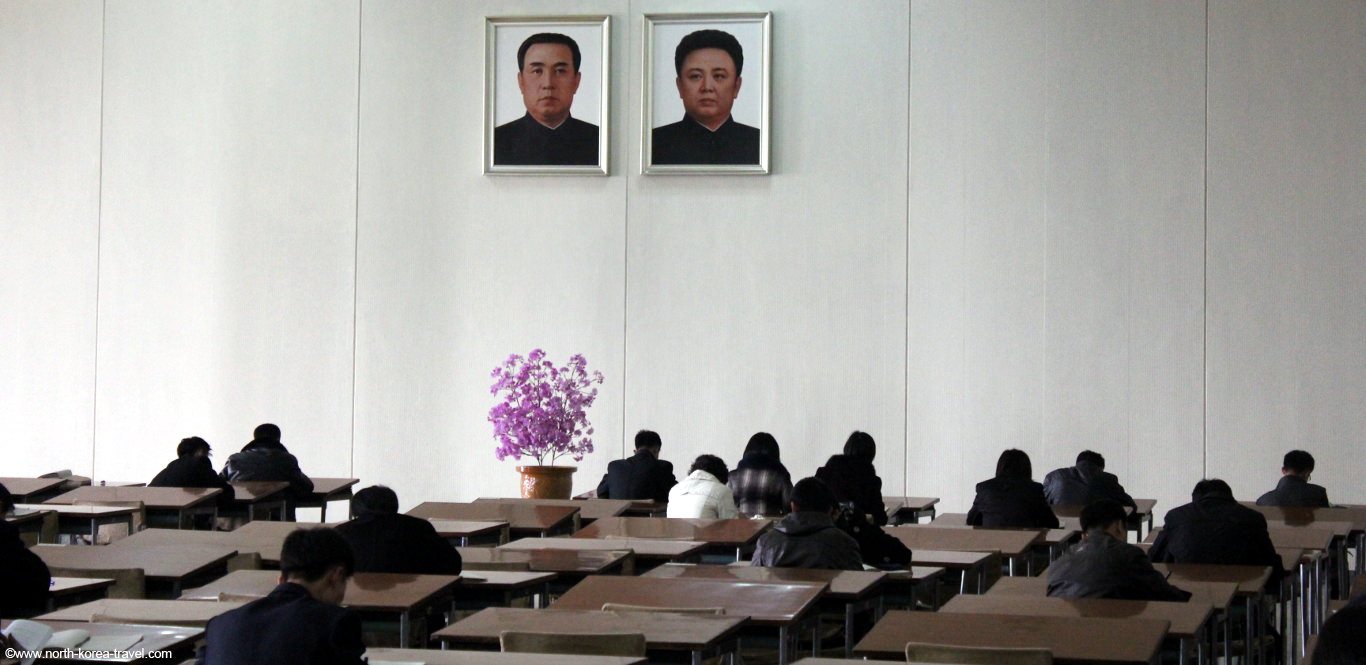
(24, 578)
(688, 142)
(525, 142)
(1216, 529)
(1296, 492)
(1002, 502)
(287, 627)
(639, 477)
(1082, 484)
(193, 472)
(1102, 567)
(263, 462)
(399, 544)
(854, 480)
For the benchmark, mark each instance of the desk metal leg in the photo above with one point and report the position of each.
(404, 627)
(784, 645)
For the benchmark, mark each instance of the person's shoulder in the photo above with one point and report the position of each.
(510, 126)
(1057, 473)
(673, 131)
(580, 125)
(745, 130)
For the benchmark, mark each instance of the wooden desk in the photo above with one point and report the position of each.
(665, 634)
(903, 584)
(171, 505)
(68, 591)
(730, 534)
(262, 537)
(589, 509)
(499, 588)
(1249, 583)
(649, 552)
(86, 520)
(1141, 516)
(784, 606)
(326, 490)
(463, 533)
(260, 500)
(382, 656)
(523, 520)
(1073, 640)
(179, 641)
(168, 568)
(1055, 540)
(1218, 595)
(141, 611)
(1010, 543)
(35, 521)
(32, 490)
(901, 509)
(572, 563)
(968, 566)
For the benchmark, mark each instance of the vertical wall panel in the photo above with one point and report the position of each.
(228, 232)
(49, 220)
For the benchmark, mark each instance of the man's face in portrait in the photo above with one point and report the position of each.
(708, 86)
(548, 82)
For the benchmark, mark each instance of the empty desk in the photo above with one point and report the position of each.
(523, 520)
(649, 552)
(736, 535)
(170, 506)
(168, 568)
(32, 490)
(68, 591)
(327, 490)
(86, 520)
(1012, 544)
(259, 500)
(903, 509)
(141, 611)
(463, 533)
(589, 509)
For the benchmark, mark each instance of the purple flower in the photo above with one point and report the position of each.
(544, 409)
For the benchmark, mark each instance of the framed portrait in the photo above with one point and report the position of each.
(546, 91)
(707, 93)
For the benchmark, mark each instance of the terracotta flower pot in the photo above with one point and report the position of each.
(547, 482)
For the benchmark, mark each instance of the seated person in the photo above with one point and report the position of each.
(1012, 499)
(1342, 639)
(1105, 566)
(265, 458)
(24, 578)
(1215, 528)
(1294, 488)
(384, 541)
(760, 482)
(808, 537)
(703, 494)
(853, 478)
(1087, 482)
(641, 477)
(301, 621)
(192, 468)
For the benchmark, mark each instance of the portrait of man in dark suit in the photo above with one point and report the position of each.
(708, 65)
(548, 76)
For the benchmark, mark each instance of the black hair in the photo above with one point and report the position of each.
(1014, 464)
(860, 445)
(1298, 461)
(266, 432)
(1211, 486)
(762, 442)
(308, 554)
(713, 465)
(701, 39)
(1092, 457)
(647, 439)
(1101, 514)
(6, 499)
(374, 500)
(812, 495)
(191, 446)
(1342, 640)
(548, 38)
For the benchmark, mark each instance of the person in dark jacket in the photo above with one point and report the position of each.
(1086, 482)
(192, 468)
(265, 458)
(1012, 499)
(853, 479)
(1105, 566)
(808, 537)
(24, 578)
(301, 621)
(760, 482)
(1215, 528)
(1342, 640)
(1294, 488)
(385, 541)
(641, 477)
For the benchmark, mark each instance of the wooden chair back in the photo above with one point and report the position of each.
(128, 582)
(578, 644)
(623, 607)
(917, 652)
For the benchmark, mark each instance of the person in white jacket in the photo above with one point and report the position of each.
(703, 494)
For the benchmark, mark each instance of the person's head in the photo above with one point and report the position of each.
(6, 500)
(192, 447)
(266, 433)
(548, 76)
(763, 443)
(1013, 464)
(1342, 640)
(708, 65)
(860, 445)
(647, 440)
(374, 500)
(1211, 487)
(1091, 456)
(713, 465)
(1298, 463)
(1106, 515)
(811, 495)
(319, 560)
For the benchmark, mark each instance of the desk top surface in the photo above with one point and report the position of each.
(22, 487)
(951, 559)
(154, 638)
(324, 487)
(765, 603)
(1249, 579)
(379, 656)
(83, 510)
(909, 502)
(1009, 542)
(256, 491)
(1185, 618)
(171, 562)
(263, 537)
(1301, 537)
(729, 533)
(518, 516)
(1299, 516)
(143, 611)
(1071, 639)
(650, 548)
(65, 586)
(162, 498)
(465, 528)
(553, 561)
(589, 509)
(364, 591)
(25, 513)
(662, 630)
(504, 579)
(1219, 595)
(844, 584)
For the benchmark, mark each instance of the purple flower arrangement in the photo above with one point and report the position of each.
(544, 408)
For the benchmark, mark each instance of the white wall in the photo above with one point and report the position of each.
(1042, 224)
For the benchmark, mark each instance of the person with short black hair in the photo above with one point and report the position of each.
(24, 578)
(385, 541)
(301, 621)
(192, 468)
(641, 477)
(1085, 482)
(808, 536)
(760, 482)
(1214, 528)
(1104, 565)
(708, 64)
(1012, 499)
(1294, 488)
(548, 76)
(853, 479)
(266, 458)
(1342, 639)
(703, 494)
